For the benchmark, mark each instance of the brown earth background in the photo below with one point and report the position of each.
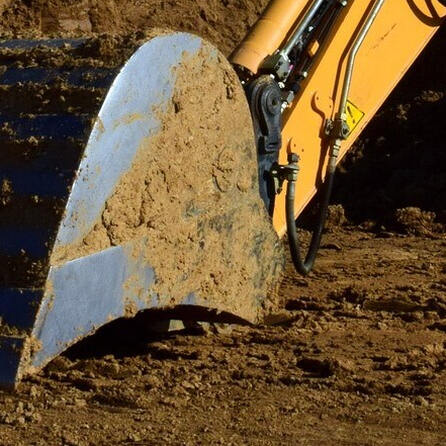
(357, 356)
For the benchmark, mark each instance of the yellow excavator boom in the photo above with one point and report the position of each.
(394, 32)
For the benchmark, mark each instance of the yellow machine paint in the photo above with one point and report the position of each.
(401, 30)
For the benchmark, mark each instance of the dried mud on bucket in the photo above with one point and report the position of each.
(193, 192)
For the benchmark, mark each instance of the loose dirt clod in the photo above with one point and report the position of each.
(415, 221)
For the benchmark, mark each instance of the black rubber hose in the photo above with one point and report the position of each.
(305, 266)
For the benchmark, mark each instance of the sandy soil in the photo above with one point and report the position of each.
(223, 23)
(356, 357)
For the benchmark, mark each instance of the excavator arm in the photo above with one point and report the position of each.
(327, 65)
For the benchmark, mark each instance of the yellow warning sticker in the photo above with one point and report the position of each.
(354, 116)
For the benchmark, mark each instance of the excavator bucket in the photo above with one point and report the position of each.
(127, 182)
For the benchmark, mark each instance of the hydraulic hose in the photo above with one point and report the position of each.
(339, 132)
(305, 266)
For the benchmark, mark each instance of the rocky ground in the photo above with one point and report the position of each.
(358, 354)
(357, 357)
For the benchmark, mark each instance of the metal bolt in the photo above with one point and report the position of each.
(293, 158)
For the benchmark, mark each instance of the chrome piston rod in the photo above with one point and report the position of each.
(354, 51)
(308, 17)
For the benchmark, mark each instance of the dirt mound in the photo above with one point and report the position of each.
(417, 222)
(223, 23)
